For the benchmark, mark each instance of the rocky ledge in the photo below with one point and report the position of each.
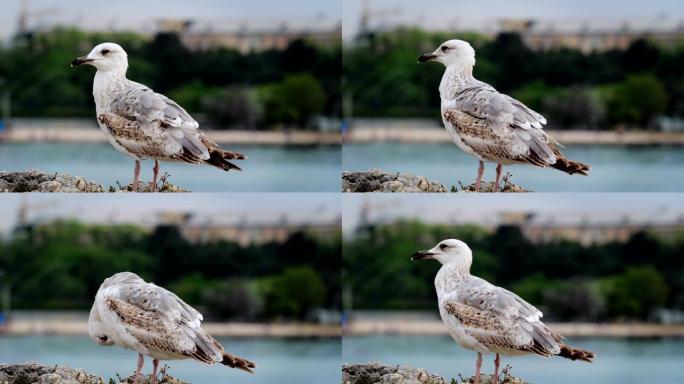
(377, 373)
(35, 373)
(37, 181)
(376, 180)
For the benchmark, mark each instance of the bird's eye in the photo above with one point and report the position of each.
(105, 51)
(444, 48)
(103, 339)
(443, 246)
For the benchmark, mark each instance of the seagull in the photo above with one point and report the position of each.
(489, 319)
(144, 124)
(154, 322)
(490, 125)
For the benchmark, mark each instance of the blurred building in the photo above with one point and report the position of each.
(586, 39)
(245, 38)
(245, 231)
(585, 231)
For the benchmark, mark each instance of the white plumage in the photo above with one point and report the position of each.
(144, 124)
(489, 319)
(489, 125)
(154, 322)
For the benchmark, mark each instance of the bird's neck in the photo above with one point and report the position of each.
(454, 78)
(450, 275)
(107, 81)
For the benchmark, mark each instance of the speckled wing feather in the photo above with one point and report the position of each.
(161, 321)
(497, 127)
(499, 319)
(156, 113)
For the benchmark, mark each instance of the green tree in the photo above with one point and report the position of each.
(295, 100)
(635, 293)
(637, 100)
(293, 294)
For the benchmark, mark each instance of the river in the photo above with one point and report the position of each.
(618, 361)
(267, 169)
(613, 168)
(282, 361)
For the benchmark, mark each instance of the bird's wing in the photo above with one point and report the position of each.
(499, 318)
(160, 320)
(154, 110)
(497, 126)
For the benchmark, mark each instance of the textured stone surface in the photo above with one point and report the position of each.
(37, 181)
(377, 373)
(505, 186)
(35, 373)
(375, 180)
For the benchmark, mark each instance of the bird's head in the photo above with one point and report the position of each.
(447, 252)
(97, 330)
(452, 52)
(105, 57)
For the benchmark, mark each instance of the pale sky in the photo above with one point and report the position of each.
(143, 209)
(482, 15)
(136, 14)
(484, 209)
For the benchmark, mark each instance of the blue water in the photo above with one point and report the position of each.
(613, 168)
(618, 361)
(282, 361)
(267, 169)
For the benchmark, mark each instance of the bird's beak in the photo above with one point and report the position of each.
(426, 57)
(80, 60)
(422, 255)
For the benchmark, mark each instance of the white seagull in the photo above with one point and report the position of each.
(489, 319)
(154, 322)
(144, 124)
(490, 125)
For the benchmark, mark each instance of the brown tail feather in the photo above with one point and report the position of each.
(237, 362)
(570, 166)
(575, 354)
(219, 158)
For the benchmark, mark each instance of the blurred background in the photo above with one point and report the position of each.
(609, 81)
(242, 262)
(606, 270)
(262, 78)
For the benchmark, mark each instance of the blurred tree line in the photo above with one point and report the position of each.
(61, 266)
(566, 280)
(221, 86)
(601, 90)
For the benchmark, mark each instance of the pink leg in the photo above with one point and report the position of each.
(499, 169)
(136, 175)
(496, 369)
(480, 172)
(153, 187)
(141, 361)
(478, 365)
(155, 364)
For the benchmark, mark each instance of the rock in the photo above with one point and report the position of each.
(40, 374)
(35, 373)
(162, 378)
(375, 180)
(36, 181)
(507, 186)
(375, 372)
(378, 373)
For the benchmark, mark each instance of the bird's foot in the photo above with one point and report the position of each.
(153, 186)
